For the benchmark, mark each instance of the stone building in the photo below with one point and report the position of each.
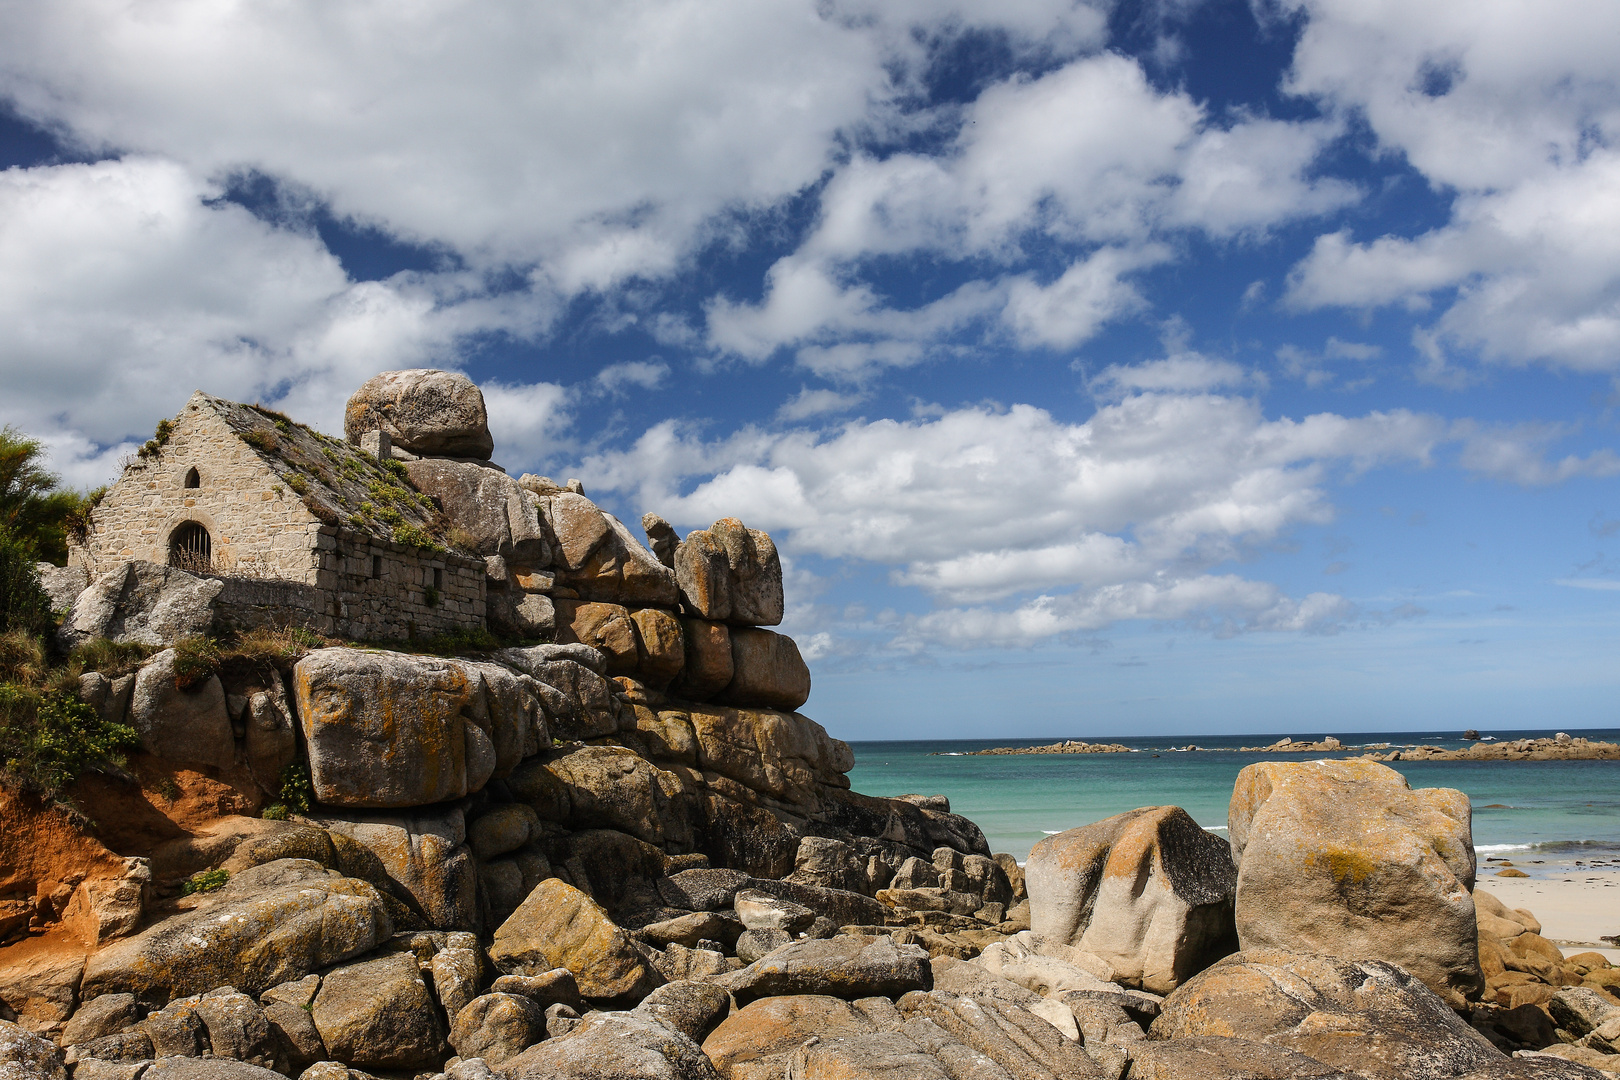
(301, 528)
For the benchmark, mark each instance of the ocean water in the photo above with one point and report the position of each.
(1538, 813)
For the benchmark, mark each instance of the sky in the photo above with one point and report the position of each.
(1165, 367)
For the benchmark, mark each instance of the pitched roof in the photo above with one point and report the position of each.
(340, 484)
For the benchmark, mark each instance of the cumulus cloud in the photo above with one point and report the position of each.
(1516, 111)
(1517, 454)
(1128, 511)
(121, 279)
(807, 403)
(1090, 157)
(647, 374)
(598, 137)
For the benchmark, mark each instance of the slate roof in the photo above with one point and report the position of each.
(340, 484)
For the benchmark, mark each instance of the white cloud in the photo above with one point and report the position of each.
(122, 289)
(1090, 156)
(647, 374)
(1516, 454)
(1128, 510)
(529, 422)
(598, 137)
(1515, 109)
(807, 403)
(1588, 583)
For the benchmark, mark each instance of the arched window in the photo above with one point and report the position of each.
(191, 548)
(192, 479)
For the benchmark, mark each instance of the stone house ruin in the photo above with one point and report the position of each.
(235, 516)
(300, 528)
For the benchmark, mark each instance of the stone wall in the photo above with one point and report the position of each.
(392, 605)
(258, 527)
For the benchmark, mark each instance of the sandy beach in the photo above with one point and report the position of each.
(1577, 905)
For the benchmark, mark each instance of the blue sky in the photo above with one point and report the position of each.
(1099, 369)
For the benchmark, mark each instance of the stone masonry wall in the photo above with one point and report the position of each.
(258, 527)
(280, 564)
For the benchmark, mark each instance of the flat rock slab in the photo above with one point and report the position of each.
(270, 924)
(1367, 1017)
(613, 1046)
(1209, 1058)
(845, 966)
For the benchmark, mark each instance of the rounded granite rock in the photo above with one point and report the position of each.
(425, 411)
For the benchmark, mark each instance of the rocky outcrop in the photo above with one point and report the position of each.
(141, 602)
(1343, 857)
(394, 730)
(424, 411)
(1149, 892)
(271, 923)
(188, 724)
(559, 926)
(730, 574)
(1368, 1017)
(26, 1056)
(767, 671)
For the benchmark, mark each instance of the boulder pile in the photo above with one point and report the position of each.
(625, 853)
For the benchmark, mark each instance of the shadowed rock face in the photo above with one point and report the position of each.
(559, 926)
(424, 411)
(1366, 1017)
(1148, 891)
(1342, 857)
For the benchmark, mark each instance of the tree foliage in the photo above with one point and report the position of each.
(34, 508)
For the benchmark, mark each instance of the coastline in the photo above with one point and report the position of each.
(1560, 747)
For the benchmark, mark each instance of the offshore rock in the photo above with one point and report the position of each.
(1148, 891)
(1343, 857)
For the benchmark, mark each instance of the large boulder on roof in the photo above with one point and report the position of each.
(424, 411)
(1342, 857)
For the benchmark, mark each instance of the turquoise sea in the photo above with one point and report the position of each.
(1556, 811)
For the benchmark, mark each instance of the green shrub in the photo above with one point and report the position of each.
(205, 881)
(299, 485)
(416, 537)
(261, 440)
(196, 659)
(22, 658)
(430, 596)
(275, 812)
(296, 791)
(35, 509)
(47, 740)
(111, 658)
(24, 605)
